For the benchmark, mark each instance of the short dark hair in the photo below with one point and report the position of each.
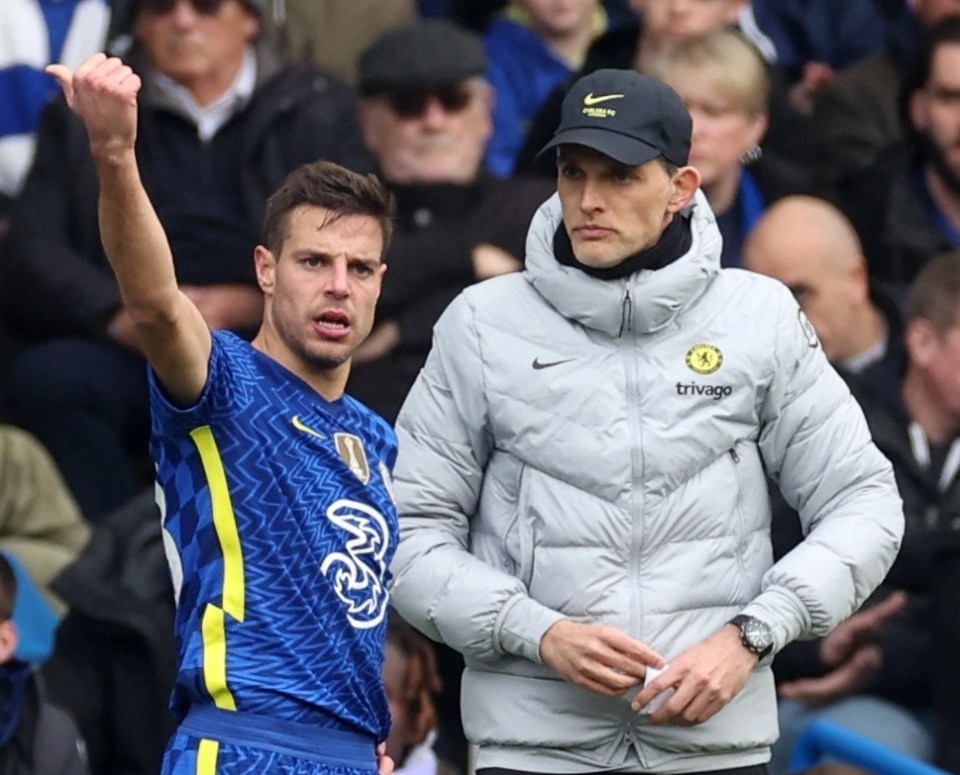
(944, 32)
(332, 187)
(8, 589)
(935, 292)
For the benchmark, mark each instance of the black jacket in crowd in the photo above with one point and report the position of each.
(885, 203)
(430, 261)
(36, 737)
(55, 279)
(114, 661)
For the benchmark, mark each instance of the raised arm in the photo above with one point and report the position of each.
(176, 340)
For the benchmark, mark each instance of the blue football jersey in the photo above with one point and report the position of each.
(280, 525)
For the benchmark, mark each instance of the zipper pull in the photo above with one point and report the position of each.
(734, 455)
(626, 316)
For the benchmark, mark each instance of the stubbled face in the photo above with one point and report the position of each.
(439, 144)
(560, 17)
(935, 111)
(611, 210)
(665, 20)
(194, 49)
(723, 130)
(321, 292)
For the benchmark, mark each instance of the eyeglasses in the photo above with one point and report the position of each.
(410, 103)
(163, 7)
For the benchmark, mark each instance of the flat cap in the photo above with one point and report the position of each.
(427, 52)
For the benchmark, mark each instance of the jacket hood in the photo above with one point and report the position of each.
(643, 302)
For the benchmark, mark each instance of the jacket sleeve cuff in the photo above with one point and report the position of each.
(521, 626)
(784, 613)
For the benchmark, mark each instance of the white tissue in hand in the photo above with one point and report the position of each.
(656, 702)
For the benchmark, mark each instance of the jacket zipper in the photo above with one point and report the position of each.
(636, 458)
(626, 314)
(741, 523)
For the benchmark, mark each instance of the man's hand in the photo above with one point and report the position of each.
(704, 678)
(381, 342)
(850, 650)
(803, 94)
(595, 657)
(855, 673)
(860, 629)
(230, 306)
(103, 93)
(491, 261)
(385, 764)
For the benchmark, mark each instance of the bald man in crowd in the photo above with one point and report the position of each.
(811, 247)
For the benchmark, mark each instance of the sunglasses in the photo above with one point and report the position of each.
(410, 103)
(162, 7)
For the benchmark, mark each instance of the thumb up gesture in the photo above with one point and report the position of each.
(103, 93)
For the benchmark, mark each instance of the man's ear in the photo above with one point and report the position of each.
(921, 339)
(685, 183)
(266, 266)
(9, 640)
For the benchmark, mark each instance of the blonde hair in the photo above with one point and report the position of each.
(735, 64)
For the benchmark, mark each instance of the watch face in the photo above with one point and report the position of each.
(757, 634)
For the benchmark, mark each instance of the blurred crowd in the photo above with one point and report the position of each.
(827, 135)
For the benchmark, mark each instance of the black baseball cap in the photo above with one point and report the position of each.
(626, 116)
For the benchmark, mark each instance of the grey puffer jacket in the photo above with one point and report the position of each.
(595, 450)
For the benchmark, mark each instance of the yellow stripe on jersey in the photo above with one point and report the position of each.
(207, 757)
(215, 658)
(224, 521)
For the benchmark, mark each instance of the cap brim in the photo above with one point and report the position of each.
(624, 149)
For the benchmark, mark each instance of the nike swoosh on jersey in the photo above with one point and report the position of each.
(297, 423)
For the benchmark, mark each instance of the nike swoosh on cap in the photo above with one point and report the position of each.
(591, 100)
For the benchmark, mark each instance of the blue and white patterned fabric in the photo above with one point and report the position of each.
(34, 34)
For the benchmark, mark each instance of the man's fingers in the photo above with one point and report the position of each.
(98, 69)
(891, 606)
(90, 63)
(64, 76)
(61, 72)
(873, 617)
(688, 706)
(633, 653)
(847, 678)
(803, 689)
(611, 685)
(865, 663)
(652, 689)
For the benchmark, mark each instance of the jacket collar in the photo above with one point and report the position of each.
(641, 303)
